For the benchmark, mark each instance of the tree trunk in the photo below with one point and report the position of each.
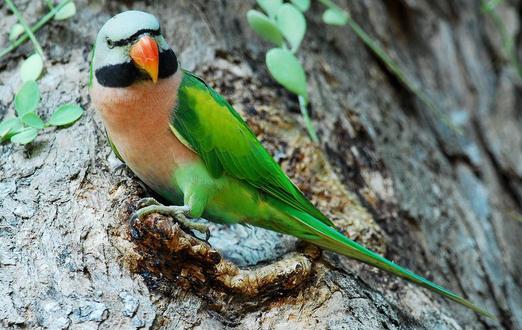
(439, 192)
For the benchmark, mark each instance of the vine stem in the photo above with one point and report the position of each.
(507, 40)
(26, 27)
(392, 65)
(308, 122)
(34, 28)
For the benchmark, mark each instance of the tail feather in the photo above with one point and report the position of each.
(329, 238)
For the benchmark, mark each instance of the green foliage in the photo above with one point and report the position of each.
(39, 24)
(265, 27)
(68, 11)
(302, 5)
(27, 98)
(65, 115)
(292, 24)
(7, 127)
(25, 135)
(285, 26)
(287, 70)
(507, 38)
(31, 68)
(270, 6)
(25, 127)
(15, 32)
(335, 17)
(490, 5)
(31, 119)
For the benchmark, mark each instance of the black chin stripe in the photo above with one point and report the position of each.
(168, 64)
(126, 41)
(118, 75)
(125, 74)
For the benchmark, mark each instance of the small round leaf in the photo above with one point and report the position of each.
(15, 32)
(25, 136)
(270, 6)
(33, 120)
(65, 114)
(8, 126)
(265, 27)
(31, 68)
(67, 11)
(27, 98)
(292, 24)
(302, 5)
(287, 70)
(335, 17)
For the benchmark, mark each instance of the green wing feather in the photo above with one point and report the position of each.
(113, 147)
(211, 127)
(218, 134)
(332, 240)
(91, 70)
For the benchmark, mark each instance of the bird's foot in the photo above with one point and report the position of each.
(147, 201)
(120, 169)
(180, 214)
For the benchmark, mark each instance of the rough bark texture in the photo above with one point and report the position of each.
(389, 172)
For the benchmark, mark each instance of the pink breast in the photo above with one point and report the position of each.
(137, 122)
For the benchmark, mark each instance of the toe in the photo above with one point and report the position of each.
(147, 201)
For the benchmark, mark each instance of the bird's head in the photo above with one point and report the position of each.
(130, 48)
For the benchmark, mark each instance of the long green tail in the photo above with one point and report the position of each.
(331, 239)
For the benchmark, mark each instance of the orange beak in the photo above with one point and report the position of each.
(145, 55)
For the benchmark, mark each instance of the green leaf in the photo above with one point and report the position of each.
(67, 11)
(490, 5)
(302, 5)
(292, 24)
(287, 70)
(8, 126)
(27, 98)
(25, 136)
(31, 68)
(16, 31)
(66, 114)
(335, 17)
(270, 6)
(265, 27)
(33, 120)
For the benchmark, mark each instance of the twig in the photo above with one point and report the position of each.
(34, 28)
(306, 117)
(26, 27)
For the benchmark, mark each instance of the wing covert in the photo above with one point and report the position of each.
(218, 134)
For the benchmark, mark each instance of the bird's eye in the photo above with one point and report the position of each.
(110, 43)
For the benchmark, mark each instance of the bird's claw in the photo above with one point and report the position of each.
(180, 214)
(147, 201)
(120, 169)
(200, 227)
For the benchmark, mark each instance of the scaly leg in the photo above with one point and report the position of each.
(180, 214)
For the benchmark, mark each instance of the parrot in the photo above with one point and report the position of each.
(188, 144)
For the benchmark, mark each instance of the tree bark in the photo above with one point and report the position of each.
(437, 192)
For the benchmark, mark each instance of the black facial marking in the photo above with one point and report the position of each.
(126, 41)
(168, 63)
(124, 75)
(118, 75)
